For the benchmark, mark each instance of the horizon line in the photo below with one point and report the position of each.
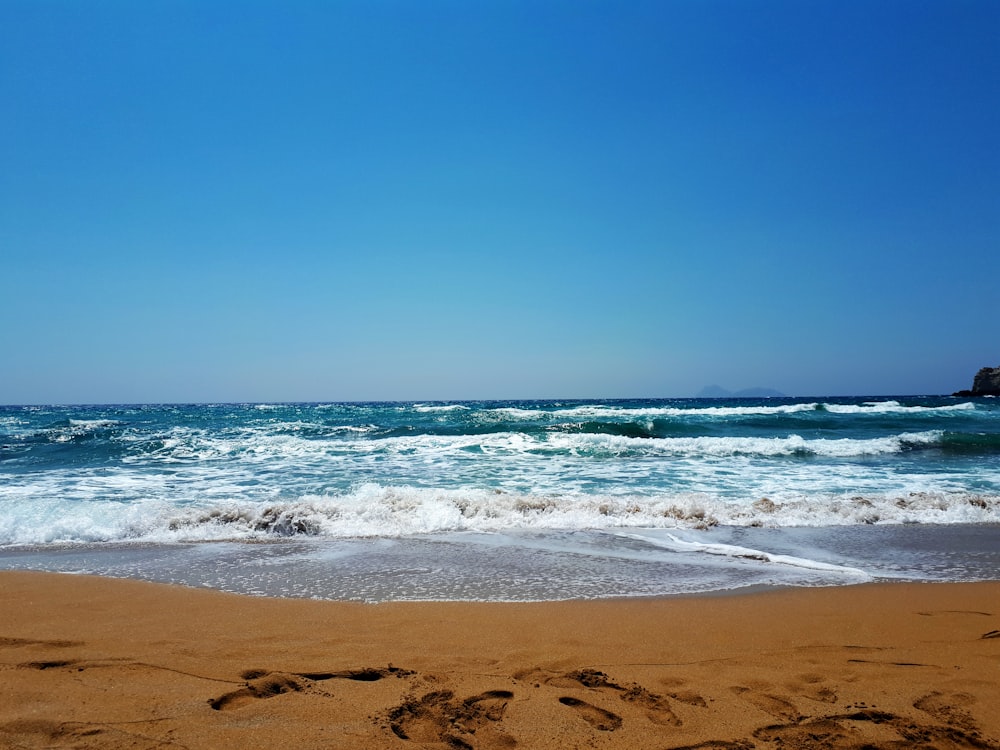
(416, 401)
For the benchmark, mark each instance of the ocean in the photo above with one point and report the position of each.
(506, 500)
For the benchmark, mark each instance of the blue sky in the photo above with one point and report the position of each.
(222, 201)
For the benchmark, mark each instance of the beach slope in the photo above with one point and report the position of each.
(98, 663)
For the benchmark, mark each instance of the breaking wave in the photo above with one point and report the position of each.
(374, 510)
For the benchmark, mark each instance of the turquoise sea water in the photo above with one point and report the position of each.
(506, 500)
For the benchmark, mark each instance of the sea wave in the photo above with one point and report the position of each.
(792, 445)
(186, 445)
(433, 408)
(374, 510)
(610, 411)
(894, 407)
(237, 471)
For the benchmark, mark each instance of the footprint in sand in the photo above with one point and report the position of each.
(261, 684)
(439, 717)
(869, 728)
(842, 732)
(811, 686)
(423, 720)
(657, 707)
(266, 686)
(772, 704)
(489, 705)
(365, 674)
(48, 733)
(688, 696)
(948, 708)
(598, 718)
(675, 689)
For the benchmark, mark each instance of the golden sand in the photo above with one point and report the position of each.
(97, 663)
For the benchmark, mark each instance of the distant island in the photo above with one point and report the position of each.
(986, 383)
(715, 391)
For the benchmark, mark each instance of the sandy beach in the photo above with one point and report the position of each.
(100, 663)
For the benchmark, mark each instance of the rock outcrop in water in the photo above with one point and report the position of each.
(986, 383)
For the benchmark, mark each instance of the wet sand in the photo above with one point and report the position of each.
(90, 662)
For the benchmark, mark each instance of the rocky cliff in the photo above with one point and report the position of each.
(986, 383)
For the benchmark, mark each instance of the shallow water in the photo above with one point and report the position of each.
(534, 566)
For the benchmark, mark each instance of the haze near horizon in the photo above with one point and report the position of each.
(444, 200)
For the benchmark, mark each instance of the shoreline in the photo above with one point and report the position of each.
(101, 662)
(521, 566)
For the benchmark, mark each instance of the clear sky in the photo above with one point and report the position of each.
(430, 199)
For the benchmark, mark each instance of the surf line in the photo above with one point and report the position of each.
(731, 550)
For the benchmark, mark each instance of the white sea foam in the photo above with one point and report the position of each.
(674, 543)
(750, 446)
(894, 407)
(588, 444)
(14, 426)
(598, 412)
(431, 408)
(608, 411)
(315, 428)
(604, 411)
(552, 463)
(374, 510)
(187, 444)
